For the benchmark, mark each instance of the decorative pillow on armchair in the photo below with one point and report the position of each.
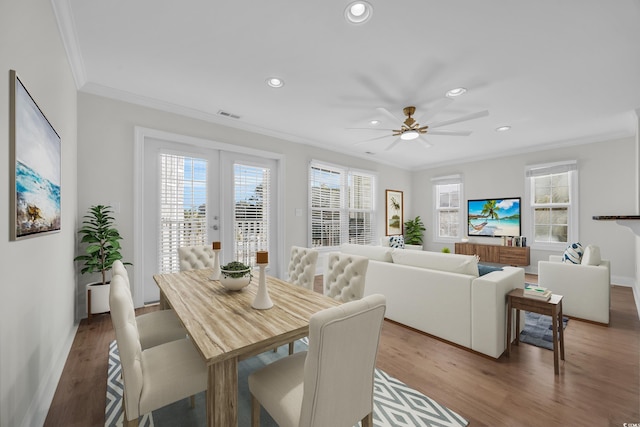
(396, 242)
(573, 253)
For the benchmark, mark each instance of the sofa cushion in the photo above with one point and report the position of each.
(375, 253)
(573, 253)
(396, 242)
(486, 269)
(453, 263)
(591, 255)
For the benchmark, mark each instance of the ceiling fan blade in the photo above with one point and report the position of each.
(370, 140)
(437, 108)
(460, 119)
(450, 132)
(393, 144)
(386, 130)
(389, 115)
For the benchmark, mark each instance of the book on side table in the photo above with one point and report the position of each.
(537, 292)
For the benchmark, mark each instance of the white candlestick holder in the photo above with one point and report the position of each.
(216, 265)
(262, 300)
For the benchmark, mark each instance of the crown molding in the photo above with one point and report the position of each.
(67, 28)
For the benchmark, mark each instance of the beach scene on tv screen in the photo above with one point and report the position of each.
(494, 217)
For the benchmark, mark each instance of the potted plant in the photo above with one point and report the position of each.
(235, 275)
(102, 249)
(413, 230)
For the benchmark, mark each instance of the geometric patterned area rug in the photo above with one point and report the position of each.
(538, 330)
(395, 404)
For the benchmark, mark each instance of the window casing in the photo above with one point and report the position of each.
(553, 204)
(341, 206)
(448, 214)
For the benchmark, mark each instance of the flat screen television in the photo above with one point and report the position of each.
(494, 217)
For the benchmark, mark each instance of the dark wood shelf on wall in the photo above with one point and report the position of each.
(615, 217)
(509, 255)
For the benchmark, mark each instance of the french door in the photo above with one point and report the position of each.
(193, 195)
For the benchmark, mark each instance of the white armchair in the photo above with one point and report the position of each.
(585, 287)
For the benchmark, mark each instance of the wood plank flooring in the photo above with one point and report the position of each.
(598, 385)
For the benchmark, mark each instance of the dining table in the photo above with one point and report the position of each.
(225, 328)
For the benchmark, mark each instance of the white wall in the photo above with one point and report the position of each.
(105, 164)
(37, 298)
(607, 174)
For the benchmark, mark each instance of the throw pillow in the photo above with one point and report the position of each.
(573, 253)
(486, 269)
(591, 255)
(396, 242)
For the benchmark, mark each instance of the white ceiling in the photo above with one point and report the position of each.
(558, 71)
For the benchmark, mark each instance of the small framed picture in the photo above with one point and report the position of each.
(394, 213)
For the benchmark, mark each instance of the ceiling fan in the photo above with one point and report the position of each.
(411, 129)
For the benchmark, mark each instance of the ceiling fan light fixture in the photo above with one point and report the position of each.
(409, 135)
(456, 92)
(275, 82)
(358, 12)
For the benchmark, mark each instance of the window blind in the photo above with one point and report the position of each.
(183, 207)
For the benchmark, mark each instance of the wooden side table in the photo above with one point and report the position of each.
(552, 307)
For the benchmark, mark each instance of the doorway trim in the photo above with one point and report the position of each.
(141, 134)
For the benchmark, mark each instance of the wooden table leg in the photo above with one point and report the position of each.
(560, 317)
(222, 394)
(554, 325)
(509, 310)
(517, 333)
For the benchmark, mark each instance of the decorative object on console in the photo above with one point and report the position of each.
(446, 250)
(537, 292)
(235, 275)
(413, 231)
(394, 216)
(215, 275)
(494, 217)
(573, 253)
(35, 163)
(262, 300)
(396, 242)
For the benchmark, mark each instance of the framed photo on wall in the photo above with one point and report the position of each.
(394, 209)
(35, 161)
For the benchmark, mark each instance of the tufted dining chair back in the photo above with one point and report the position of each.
(302, 266)
(195, 257)
(344, 279)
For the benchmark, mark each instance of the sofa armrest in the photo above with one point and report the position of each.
(489, 309)
(585, 288)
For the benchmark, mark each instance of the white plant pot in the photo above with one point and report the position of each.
(235, 283)
(99, 297)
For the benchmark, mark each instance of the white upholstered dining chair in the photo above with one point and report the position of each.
(344, 278)
(302, 266)
(332, 383)
(195, 257)
(156, 327)
(156, 376)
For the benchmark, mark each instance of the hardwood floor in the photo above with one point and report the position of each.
(598, 385)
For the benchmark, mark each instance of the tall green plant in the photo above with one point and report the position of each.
(102, 240)
(413, 230)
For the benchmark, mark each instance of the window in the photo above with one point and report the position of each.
(448, 214)
(342, 207)
(553, 199)
(252, 195)
(183, 207)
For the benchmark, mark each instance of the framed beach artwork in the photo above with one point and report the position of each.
(35, 160)
(394, 217)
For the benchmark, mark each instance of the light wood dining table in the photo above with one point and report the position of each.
(226, 329)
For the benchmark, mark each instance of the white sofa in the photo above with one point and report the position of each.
(442, 294)
(585, 287)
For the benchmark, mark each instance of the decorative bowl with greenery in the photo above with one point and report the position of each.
(102, 241)
(235, 275)
(413, 230)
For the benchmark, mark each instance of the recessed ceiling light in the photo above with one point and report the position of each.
(358, 12)
(409, 135)
(503, 128)
(375, 122)
(456, 92)
(275, 82)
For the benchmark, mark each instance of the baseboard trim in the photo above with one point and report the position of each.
(39, 407)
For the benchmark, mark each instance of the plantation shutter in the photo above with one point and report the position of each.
(183, 207)
(361, 208)
(252, 196)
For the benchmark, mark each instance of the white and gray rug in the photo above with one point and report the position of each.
(395, 404)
